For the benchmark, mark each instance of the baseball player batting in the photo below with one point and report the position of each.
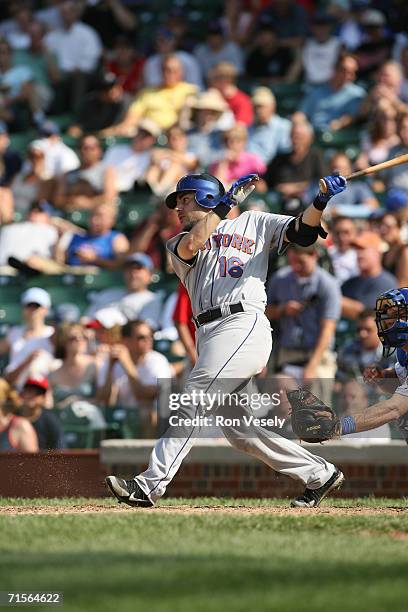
(223, 265)
(313, 421)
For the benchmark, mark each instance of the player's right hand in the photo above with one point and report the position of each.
(371, 374)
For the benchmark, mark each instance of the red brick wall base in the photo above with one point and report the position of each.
(199, 480)
(80, 474)
(76, 473)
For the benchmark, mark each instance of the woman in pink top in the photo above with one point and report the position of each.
(236, 161)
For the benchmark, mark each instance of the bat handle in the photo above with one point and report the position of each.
(322, 186)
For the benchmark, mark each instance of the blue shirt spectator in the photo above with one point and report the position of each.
(270, 133)
(332, 105)
(361, 292)
(101, 245)
(316, 295)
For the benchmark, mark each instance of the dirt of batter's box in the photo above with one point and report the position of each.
(233, 510)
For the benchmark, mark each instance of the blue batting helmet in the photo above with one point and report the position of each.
(207, 190)
(391, 317)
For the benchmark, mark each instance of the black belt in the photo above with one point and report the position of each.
(216, 313)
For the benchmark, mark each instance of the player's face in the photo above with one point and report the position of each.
(188, 211)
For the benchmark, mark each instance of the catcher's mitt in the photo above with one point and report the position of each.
(312, 420)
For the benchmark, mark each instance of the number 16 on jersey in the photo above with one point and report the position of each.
(232, 266)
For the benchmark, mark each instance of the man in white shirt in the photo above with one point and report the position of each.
(77, 48)
(59, 158)
(135, 301)
(321, 51)
(33, 237)
(131, 161)
(135, 375)
(270, 133)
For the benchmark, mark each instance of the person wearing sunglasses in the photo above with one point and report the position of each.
(134, 375)
(30, 345)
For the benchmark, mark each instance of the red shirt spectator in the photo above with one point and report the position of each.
(223, 77)
(182, 318)
(126, 65)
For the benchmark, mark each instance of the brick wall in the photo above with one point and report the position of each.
(198, 480)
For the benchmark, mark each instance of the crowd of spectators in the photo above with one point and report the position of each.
(98, 121)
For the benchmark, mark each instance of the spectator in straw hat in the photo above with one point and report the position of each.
(270, 133)
(210, 114)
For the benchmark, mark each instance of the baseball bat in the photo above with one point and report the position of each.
(396, 161)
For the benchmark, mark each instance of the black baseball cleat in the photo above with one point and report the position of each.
(128, 492)
(311, 498)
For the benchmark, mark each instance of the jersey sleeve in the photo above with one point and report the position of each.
(180, 266)
(274, 230)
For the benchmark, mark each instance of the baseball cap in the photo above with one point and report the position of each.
(141, 259)
(106, 318)
(106, 82)
(396, 199)
(367, 239)
(3, 128)
(262, 96)
(39, 382)
(150, 126)
(36, 295)
(49, 128)
(372, 18)
(37, 145)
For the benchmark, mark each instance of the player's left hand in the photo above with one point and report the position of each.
(242, 188)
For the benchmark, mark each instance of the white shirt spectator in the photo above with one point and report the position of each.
(154, 367)
(21, 348)
(130, 165)
(144, 305)
(344, 264)
(78, 48)
(152, 70)
(230, 53)
(24, 239)
(58, 157)
(319, 59)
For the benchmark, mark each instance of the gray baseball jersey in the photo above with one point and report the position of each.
(233, 264)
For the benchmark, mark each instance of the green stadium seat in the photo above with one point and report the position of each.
(20, 140)
(79, 217)
(10, 313)
(79, 430)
